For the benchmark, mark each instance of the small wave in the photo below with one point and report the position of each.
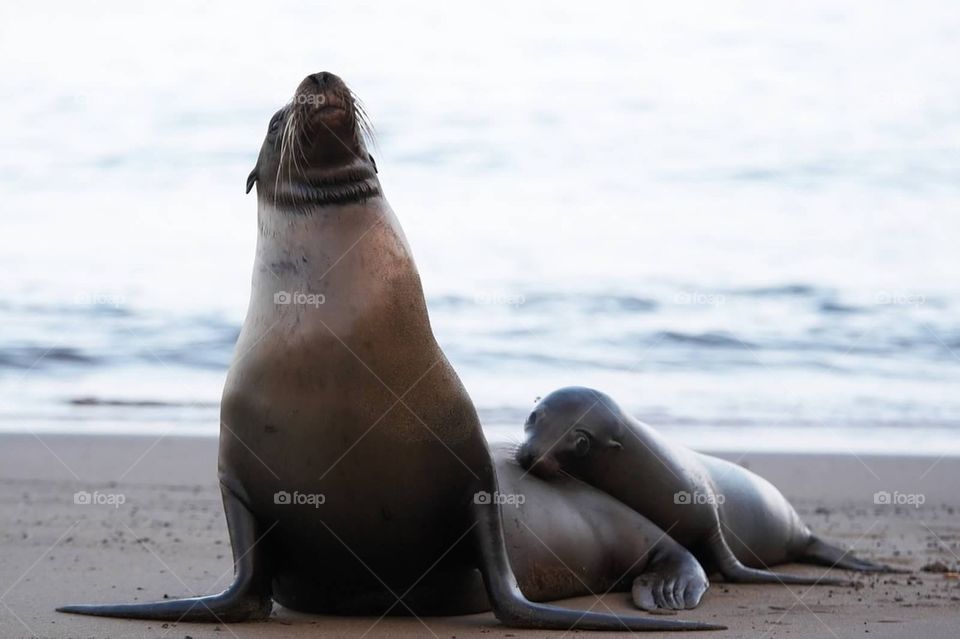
(592, 303)
(103, 306)
(213, 353)
(837, 307)
(621, 303)
(784, 290)
(712, 339)
(490, 359)
(30, 357)
(135, 403)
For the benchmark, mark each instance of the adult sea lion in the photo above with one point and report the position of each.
(733, 520)
(339, 399)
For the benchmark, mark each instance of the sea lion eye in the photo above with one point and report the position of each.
(581, 446)
(275, 121)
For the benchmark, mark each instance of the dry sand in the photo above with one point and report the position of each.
(169, 538)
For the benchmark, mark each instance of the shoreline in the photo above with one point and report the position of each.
(725, 440)
(168, 537)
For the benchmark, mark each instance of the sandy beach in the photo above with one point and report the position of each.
(168, 538)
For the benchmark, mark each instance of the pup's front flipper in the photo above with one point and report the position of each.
(653, 591)
(673, 579)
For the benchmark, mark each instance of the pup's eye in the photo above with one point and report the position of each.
(582, 446)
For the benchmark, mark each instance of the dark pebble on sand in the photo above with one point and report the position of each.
(936, 566)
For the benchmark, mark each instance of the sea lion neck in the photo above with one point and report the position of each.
(315, 227)
(316, 191)
(306, 262)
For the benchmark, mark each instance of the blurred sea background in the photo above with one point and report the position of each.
(741, 220)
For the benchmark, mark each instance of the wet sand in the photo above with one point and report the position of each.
(169, 538)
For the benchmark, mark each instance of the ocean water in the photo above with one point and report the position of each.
(741, 221)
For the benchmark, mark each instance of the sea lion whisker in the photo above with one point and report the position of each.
(367, 130)
(296, 143)
(283, 144)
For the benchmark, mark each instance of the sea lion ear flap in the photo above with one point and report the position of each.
(251, 179)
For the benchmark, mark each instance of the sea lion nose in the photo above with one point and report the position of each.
(525, 457)
(321, 78)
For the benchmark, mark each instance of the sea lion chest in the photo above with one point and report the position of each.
(339, 396)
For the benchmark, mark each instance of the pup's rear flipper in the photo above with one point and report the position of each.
(734, 571)
(247, 598)
(824, 554)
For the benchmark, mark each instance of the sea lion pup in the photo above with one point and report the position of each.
(350, 453)
(734, 521)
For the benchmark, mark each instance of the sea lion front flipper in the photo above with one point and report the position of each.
(673, 580)
(656, 593)
(247, 598)
(642, 593)
(513, 609)
(734, 571)
(821, 553)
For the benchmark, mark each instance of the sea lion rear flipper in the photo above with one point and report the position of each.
(824, 554)
(734, 571)
(513, 609)
(247, 598)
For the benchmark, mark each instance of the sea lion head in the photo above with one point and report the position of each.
(314, 151)
(570, 429)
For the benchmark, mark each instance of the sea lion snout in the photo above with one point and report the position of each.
(525, 457)
(323, 91)
(321, 81)
(322, 77)
(314, 153)
(544, 466)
